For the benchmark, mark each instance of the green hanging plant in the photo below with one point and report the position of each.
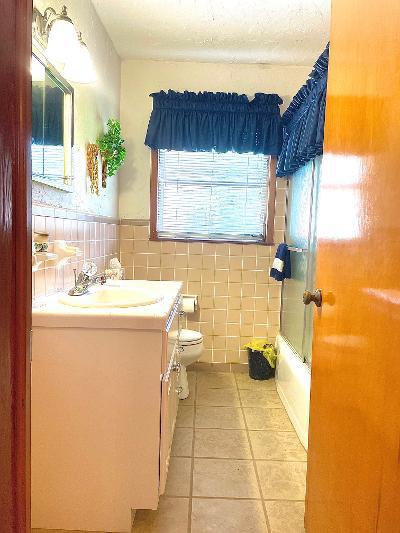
(110, 146)
(262, 346)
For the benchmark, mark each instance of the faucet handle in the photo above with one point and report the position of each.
(102, 279)
(89, 268)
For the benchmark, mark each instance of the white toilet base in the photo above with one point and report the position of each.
(191, 343)
(183, 384)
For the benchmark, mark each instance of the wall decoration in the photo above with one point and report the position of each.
(110, 146)
(92, 163)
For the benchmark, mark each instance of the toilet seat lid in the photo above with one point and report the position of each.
(188, 337)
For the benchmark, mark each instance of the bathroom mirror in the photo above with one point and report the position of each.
(52, 125)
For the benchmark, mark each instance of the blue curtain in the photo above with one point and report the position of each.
(304, 120)
(215, 121)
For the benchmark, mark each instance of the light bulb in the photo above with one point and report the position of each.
(79, 67)
(62, 39)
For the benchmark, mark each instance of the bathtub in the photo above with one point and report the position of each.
(293, 380)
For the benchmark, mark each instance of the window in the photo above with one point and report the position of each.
(209, 196)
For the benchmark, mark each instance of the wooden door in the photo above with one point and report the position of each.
(353, 483)
(15, 261)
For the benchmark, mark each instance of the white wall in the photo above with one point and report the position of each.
(94, 105)
(139, 78)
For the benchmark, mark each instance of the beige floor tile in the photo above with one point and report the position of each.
(286, 517)
(282, 480)
(219, 417)
(178, 480)
(218, 397)
(277, 445)
(211, 367)
(227, 516)
(224, 478)
(182, 443)
(240, 368)
(170, 517)
(245, 382)
(216, 380)
(260, 398)
(192, 379)
(185, 418)
(267, 418)
(221, 443)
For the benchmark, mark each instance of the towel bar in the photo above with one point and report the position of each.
(295, 249)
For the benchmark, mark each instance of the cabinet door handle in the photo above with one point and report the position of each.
(180, 349)
(178, 390)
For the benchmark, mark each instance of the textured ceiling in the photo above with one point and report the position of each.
(286, 32)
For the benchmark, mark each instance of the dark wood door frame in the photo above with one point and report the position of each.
(15, 264)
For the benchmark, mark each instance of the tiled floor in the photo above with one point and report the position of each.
(237, 465)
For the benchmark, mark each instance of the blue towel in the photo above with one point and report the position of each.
(281, 266)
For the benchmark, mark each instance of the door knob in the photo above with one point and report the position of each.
(315, 297)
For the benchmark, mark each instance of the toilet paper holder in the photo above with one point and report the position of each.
(190, 303)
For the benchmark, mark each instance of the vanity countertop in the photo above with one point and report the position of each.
(48, 312)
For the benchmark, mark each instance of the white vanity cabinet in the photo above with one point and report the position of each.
(104, 405)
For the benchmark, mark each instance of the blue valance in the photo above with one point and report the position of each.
(205, 121)
(304, 121)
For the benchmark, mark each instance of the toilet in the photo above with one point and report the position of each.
(191, 343)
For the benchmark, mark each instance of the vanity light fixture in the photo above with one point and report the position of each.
(79, 67)
(64, 47)
(55, 32)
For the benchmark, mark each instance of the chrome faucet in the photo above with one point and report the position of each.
(87, 277)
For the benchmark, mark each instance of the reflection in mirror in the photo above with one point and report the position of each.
(51, 126)
(38, 76)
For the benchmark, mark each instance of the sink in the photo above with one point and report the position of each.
(100, 297)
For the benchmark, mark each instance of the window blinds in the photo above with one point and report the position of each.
(212, 196)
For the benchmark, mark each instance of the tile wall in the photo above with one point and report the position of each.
(96, 236)
(237, 298)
